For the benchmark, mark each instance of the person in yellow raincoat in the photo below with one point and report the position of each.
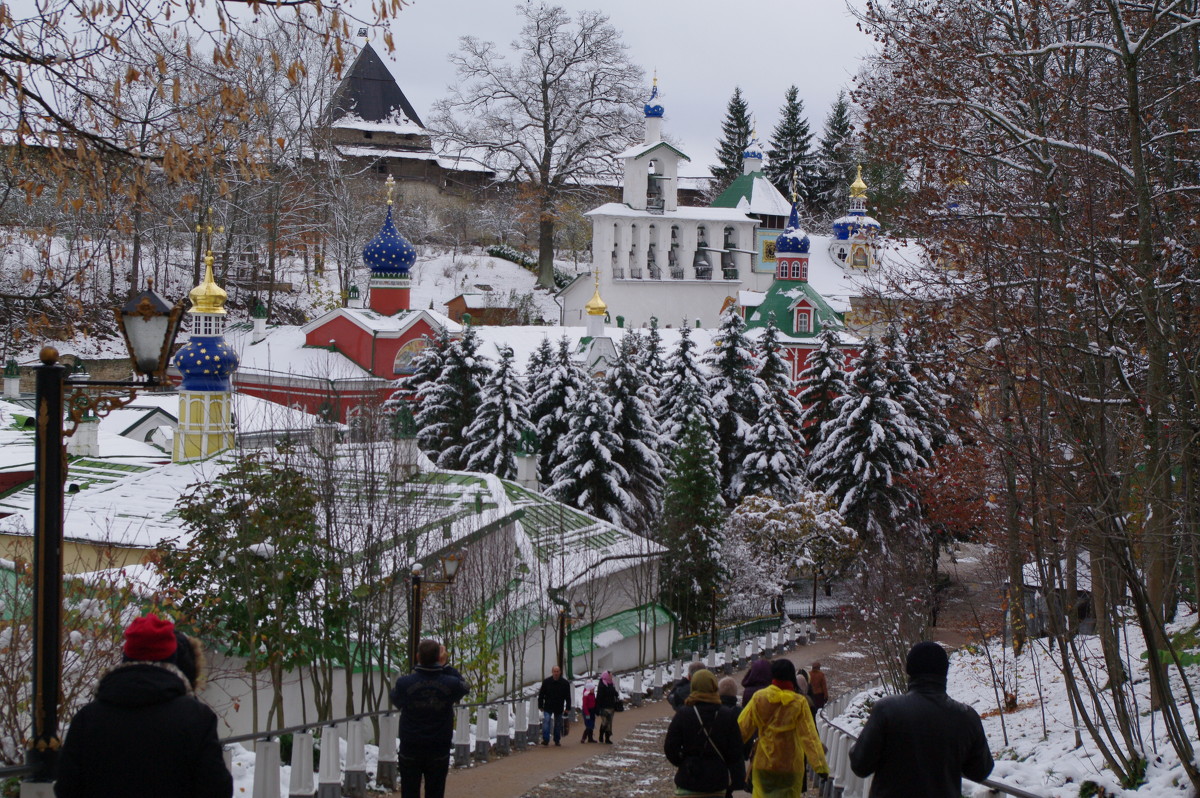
(786, 736)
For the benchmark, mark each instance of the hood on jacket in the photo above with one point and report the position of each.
(141, 684)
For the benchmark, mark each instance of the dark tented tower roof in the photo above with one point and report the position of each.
(370, 92)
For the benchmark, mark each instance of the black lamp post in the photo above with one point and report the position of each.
(450, 562)
(565, 619)
(149, 325)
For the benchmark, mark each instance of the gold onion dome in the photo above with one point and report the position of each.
(208, 297)
(595, 306)
(858, 188)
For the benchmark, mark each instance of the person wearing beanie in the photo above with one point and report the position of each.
(703, 742)
(146, 734)
(787, 736)
(607, 701)
(818, 686)
(921, 744)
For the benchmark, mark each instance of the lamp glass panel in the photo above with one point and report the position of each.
(146, 339)
(450, 565)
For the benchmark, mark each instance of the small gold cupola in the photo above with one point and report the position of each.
(858, 189)
(208, 297)
(595, 306)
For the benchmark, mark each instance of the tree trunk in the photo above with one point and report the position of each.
(546, 250)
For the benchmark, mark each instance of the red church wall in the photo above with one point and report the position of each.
(351, 340)
(386, 348)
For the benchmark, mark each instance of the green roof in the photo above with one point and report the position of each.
(779, 299)
(739, 189)
(625, 624)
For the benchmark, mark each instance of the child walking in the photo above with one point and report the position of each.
(588, 705)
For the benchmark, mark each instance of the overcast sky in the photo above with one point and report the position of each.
(702, 49)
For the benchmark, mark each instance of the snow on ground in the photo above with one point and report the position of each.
(1040, 753)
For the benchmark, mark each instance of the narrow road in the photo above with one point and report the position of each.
(634, 765)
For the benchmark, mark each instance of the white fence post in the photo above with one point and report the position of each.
(483, 734)
(462, 736)
(356, 758)
(656, 691)
(266, 768)
(535, 722)
(303, 782)
(639, 694)
(520, 724)
(503, 736)
(329, 775)
(388, 772)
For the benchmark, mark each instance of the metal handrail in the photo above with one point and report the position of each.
(991, 784)
(17, 770)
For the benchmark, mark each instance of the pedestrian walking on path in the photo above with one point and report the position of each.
(146, 734)
(607, 701)
(704, 743)
(426, 699)
(588, 706)
(787, 736)
(758, 677)
(684, 686)
(727, 688)
(818, 686)
(921, 744)
(554, 700)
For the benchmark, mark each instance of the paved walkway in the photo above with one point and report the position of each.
(634, 765)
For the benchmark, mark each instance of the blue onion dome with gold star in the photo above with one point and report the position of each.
(206, 361)
(653, 110)
(389, 254)
(793, 240)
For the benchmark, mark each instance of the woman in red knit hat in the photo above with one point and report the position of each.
(146, 733)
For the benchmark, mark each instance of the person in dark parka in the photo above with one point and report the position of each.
(146, 735)
(426, 699)
(921, 744)
(704, 742)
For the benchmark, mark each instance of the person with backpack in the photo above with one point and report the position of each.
(704, 743)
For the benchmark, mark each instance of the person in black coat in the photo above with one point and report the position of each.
(704, 742)
(554, 700)
(607, 700)
(921, 744)
(426, 699)
(683, 687)
(146, 735)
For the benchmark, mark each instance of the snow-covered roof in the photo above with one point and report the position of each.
(401, 125)
(620, 210)
(444, 161)
(638, 150)
(751, 299)
(283, 351)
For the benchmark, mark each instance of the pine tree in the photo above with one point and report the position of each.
(790, 150)
(736, 393)
(684, 394)
(776, 376)
(735, 135)
(836, 163)
(588, 475)
(692, 513)
(495, 436)
(864, 451)
(821, 383)
(653, 365)
(426, 366)
(554, 394)
(637, 430)
(450, 404)
(923, 404)
(539, 361)
(772, 461)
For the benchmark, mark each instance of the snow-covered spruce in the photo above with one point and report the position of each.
(587, 475)
(426, 366)
(865, 448)
(924, 404)
(776, 376)
(555, 390)
(640, 441)
(821, 383)
(737, 394)
(684, 396)
(450, 404)
(653, 365)
(494, 438)
(771, 464)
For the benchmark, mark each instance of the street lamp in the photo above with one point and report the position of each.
(450, 562)
(564, 620)
(149, 350)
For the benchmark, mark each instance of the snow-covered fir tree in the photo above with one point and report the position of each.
(554, 393)
(789, 152)
(450, 404)
(735, 135)
(835, 162)
(425, 367)
(684, 394)
(776, 376)
(653, 363)
(587, 474)
(692, 517)
(821, 383)
(538, 362)
(921, 399)
(736, 393)
(771, 463)
(864, 451)
(637, 430)
(494, 438)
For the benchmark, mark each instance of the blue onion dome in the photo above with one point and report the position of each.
(389, 254)
(793, 240)
(754, 149)
(653, 110)
(206, 363)
(846, 226)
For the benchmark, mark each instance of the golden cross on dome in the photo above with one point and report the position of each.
(391, 186)
(795, 183)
